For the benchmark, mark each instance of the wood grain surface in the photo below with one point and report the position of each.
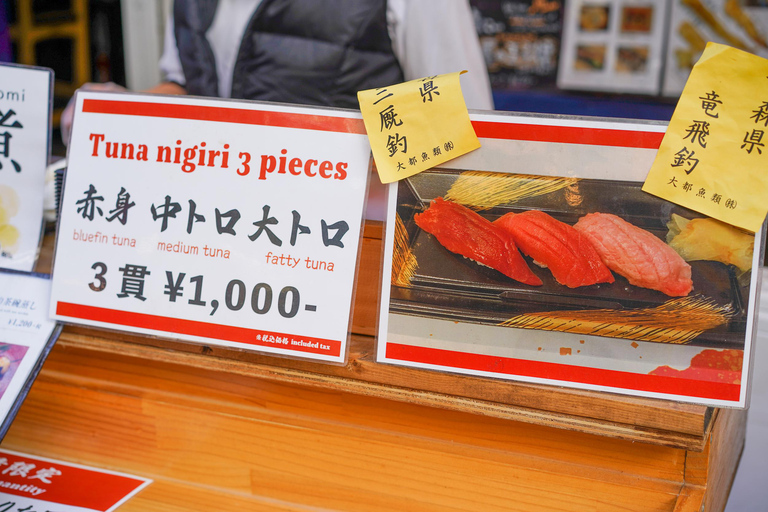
(228, 430)
(641, 419)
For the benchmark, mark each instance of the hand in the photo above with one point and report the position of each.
(69, 111)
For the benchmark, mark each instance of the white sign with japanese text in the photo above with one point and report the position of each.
(38, 484)
(221, 222)
(25, 117)
(26, 336)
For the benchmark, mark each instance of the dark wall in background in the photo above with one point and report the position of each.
(106, 38)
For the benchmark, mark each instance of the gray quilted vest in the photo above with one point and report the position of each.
(316, 52)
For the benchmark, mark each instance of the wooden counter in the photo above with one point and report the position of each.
(219, 429)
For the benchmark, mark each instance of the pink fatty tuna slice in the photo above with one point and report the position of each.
(641, 257)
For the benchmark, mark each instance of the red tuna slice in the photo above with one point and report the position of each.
(464, 232)
(567, 253)
(644, 259)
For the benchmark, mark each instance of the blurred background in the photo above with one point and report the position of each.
(580, 57)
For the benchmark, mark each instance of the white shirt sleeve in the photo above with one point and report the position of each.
(224, 36)
(433, 37)
(170, 63)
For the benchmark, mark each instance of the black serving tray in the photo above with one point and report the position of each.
(449, 286)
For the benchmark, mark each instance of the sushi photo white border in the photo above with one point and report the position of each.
(450, 346)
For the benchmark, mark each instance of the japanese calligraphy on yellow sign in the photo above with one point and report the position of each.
(416, 125)
(713, 156)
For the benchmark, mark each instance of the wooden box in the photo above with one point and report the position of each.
(219, 429)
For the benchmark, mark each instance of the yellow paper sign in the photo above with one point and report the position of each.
(713, 156)
(416, 125)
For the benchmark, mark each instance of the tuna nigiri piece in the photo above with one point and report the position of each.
(464, 232)
(644, 259)
(567, 253)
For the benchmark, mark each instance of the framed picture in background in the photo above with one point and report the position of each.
(742, 24)
(613, 46)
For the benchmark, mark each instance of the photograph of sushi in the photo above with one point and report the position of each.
(464, 232)
(594, 17)
(636, 254)
(581, 256)
(555, 245)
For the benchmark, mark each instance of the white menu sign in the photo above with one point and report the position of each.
(25, 117)
(220, 222)
(27, 334)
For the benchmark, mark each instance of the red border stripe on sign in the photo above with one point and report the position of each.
(569, 134)
(563, 372)
(202, 329)
(226, 115)
(72, 486)
(483, 129)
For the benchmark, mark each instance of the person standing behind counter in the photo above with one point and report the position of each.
(316, 52)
